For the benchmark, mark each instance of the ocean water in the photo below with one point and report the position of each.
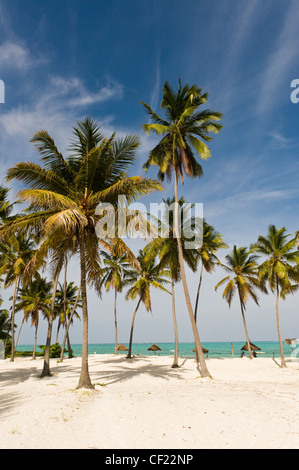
(216, 349)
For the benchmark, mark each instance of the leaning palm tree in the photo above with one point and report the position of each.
(33, 299)
(242, 280)
(185, 131)
(280, 268)
(149, 275)
(166, 248)
(211, 242)
(64, 196)
(116, 269)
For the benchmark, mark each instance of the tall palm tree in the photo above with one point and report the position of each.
(280, 268)
(149, 275)
(66, 299)
(64, 196)
(185, 131)
(242, 280)
(116, 269)
(166, 248)
(211, 242)
(15, 255)
(33, 299)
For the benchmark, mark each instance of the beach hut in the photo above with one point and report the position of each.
(204, 350)
(155, 348)
(253, 347)
(122, 347)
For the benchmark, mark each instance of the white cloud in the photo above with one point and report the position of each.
(285, 51)
(15, 56)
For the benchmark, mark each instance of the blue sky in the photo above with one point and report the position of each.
(64, 60)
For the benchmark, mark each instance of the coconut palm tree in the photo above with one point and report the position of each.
(15, 255)
(33, 299)
(66, 305)
(4, 323)
(166, 248)
(280, 268)
(242, 280)
(185, 131)
(149, 275)
(64, 196)
(116, 269)
(6, 207)
(211, 242)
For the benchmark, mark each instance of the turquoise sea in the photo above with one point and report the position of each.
(216, 349)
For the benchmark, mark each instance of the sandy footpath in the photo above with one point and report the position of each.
(144, 404)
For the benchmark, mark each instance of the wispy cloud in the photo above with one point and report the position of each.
(15, 55)
(285, 51)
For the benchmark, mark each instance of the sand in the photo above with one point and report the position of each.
(144, 404)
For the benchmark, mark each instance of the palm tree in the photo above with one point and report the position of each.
(149, 275)
(116, 269)
(4, 323)
(185, 131)
(211, 242)
(243, 280)
(166, 248)
(33, 299)
(67, 302)
(280, 267)
(5, 206)
(64, 196)
(16, 254)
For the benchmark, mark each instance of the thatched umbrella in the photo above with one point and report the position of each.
(154, 348)
(253, 347)
(204, 350)
(122, 347)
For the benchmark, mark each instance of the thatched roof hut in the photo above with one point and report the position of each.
(122, 347)
(252, 346)
(154, 347)
(204, 350)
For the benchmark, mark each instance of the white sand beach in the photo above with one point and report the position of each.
(144, 404)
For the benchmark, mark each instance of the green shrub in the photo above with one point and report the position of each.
(55, 350)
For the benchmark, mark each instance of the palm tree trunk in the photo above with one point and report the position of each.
(84, 380)
(198, 291)
(46, 368)
(245, 328)
(69, 346)
(283, 363)
(19, 332)
(58, 328)
(176, 338)
(129, 356)
(115, 319)
(69, 324)
(35, 341)
(198, 348)
(12, 320)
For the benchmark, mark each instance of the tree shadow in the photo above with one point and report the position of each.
(17, 375)
(8, 401)
(126, 373)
